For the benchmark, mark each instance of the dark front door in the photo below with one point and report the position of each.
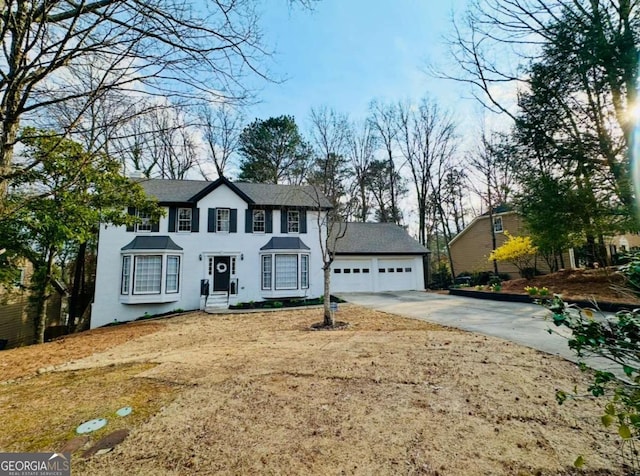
(221, 273)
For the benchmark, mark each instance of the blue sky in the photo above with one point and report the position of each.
(344, 53)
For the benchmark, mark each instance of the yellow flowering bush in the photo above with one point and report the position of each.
(517, 250)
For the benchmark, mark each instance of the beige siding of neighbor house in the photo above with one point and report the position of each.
(626, 242)
(471, 249)
(17, 316)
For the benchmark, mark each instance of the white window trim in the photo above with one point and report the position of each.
(304, 271)
(219, 222)
(290, 221)
(127, 296)
(254, 221)
(125, 273)
(274, 288)
(135, 273)
(166, 276)
(148, 223)
(264, 274)
(275, 272)
(189, 221)
(497, 220)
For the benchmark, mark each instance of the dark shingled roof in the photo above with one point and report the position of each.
(285, 243)
(177, 191)
(151, 243)
(377, 238)
(502, 208)
(284, 195)
(173, 190)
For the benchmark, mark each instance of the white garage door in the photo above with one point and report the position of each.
(352, 275)
(372, 275)
(396, 274)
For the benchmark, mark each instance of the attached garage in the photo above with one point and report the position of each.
(374, 257)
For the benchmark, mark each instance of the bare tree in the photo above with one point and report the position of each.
(171, 143)
(332, 228)
(362, 146)
(383, 118)
(426, 137)
(494, 177)
(221, 125)
(163, 47)
(329, 134)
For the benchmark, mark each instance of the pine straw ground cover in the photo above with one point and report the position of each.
(261, 394)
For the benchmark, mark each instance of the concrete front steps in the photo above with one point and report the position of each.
(217, 302)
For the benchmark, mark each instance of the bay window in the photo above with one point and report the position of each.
(285, 271)
(147, 277)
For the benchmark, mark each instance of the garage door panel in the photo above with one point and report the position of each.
(352, 276)
(396, 274)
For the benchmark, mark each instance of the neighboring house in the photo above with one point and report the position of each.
(375, 257)
(17, 315)
(621, 243)
(220, 243)
(470, 249)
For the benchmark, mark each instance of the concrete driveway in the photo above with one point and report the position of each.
(523, 324)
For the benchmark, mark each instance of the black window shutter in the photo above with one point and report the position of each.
(283, 221)
(172, 219)
(303, 221)
(233, 220)
(211, 220)
(195, 220)
(248, 221)
(268, 221)
(131, 211)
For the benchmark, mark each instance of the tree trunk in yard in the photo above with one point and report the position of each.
(75, 291)
(328, 317)
(42, 299)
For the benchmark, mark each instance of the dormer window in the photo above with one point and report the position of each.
(184, 219)
(293, 221)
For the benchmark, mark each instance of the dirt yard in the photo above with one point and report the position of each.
(261, 393)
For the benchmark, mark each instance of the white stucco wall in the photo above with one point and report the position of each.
(108, 306)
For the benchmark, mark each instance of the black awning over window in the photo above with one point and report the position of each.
(151, 243)
(285, 243)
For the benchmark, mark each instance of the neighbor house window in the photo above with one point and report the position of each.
(184, 219)
(258, 221)
(147, 274)
(126, 274)
(293, 221)
(173, 274)
(145, 221)
(266, 271)
(497, 224)
(222, 219)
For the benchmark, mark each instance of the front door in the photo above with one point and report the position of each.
(221, 273)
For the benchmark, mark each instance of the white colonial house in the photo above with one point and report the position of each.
(219, 243)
